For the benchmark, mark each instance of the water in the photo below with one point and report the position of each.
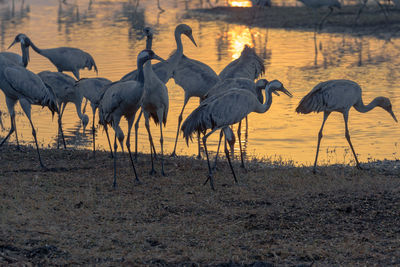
(107, 30)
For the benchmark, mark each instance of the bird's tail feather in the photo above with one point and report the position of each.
(50, 100)
(196, 121)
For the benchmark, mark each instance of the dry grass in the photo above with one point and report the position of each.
(371, 21)
(277, 214)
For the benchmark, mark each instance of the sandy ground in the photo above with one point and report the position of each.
(372, 20)
(277, 214)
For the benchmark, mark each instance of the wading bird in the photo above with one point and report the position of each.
(93, 90)
(221, 111)
(237, 83)
(20, 84)
(164, 70)
(196, 78)
(316, 4)
(249, 65)
(63, 87)
(340, 96)
(64, 58)
(124, 98)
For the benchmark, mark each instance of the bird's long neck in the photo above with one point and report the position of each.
(149, 74)
(34, 47)
(360, 107)
(140, 70)
(262, 108)
(176, 57)
(149, 42)
(25, 55)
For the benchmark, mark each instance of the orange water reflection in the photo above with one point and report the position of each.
(107, 30)
(236, 3)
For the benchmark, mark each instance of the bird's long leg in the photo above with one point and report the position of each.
(146, 123)
(216, 155)
(115, 161)
(10, 132)
(128, 145)
(108, 139)
(208, 160)
(347, 134)
(162, 148)
(1, 122)
(198, 145)
(239, 133)
(94, 134)
(359, 12)
(16, 134)
(60, 130)
(136, 133)
(229, 161)
(26, 107)
(326, 114)
(173, 154)
(10, 106)
(84, 106)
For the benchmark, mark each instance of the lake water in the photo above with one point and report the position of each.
(107, 30)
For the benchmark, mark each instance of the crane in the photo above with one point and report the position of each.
(315, 4)
(123, 98)
(63, 87)
(64, 58)
(20, 84)
(222, 110)
(93, 90)
(339, 96)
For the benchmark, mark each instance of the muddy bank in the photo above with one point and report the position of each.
(372, 20)
(277, 214)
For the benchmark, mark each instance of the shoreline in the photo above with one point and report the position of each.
(371, 22)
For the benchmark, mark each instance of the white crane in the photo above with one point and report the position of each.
(93, 90)
(64, 58)
(196, 78)
(221, 111)
(20, 84)
(340, 96)
(124, 98)
(63, 87)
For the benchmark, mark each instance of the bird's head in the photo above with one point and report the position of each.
(385, 103)
(21, 38)
(146, 55)
(275, 86)
(186, 30)
(147, 32)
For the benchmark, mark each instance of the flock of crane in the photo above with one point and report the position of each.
(225, 99)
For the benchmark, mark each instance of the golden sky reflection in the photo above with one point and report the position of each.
(239, 3)
(108, 33)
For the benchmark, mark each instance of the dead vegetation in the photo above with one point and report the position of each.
(277, 214)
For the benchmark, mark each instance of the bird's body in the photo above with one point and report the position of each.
(124, 98)
(93, 90)
(17, 59)
(63, 87)
(20, 84)
(249, 65)
(64, 58)
(232, 84)
(196, 78)
(155, 104)
(339, 96)
(221, 111)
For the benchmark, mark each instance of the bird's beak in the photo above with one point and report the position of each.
(285, 91)
(158, 58)
(275, 92)
(394, 117)
(192, 39)
(13, 43)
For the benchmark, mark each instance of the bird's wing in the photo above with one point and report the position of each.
(194, 76)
